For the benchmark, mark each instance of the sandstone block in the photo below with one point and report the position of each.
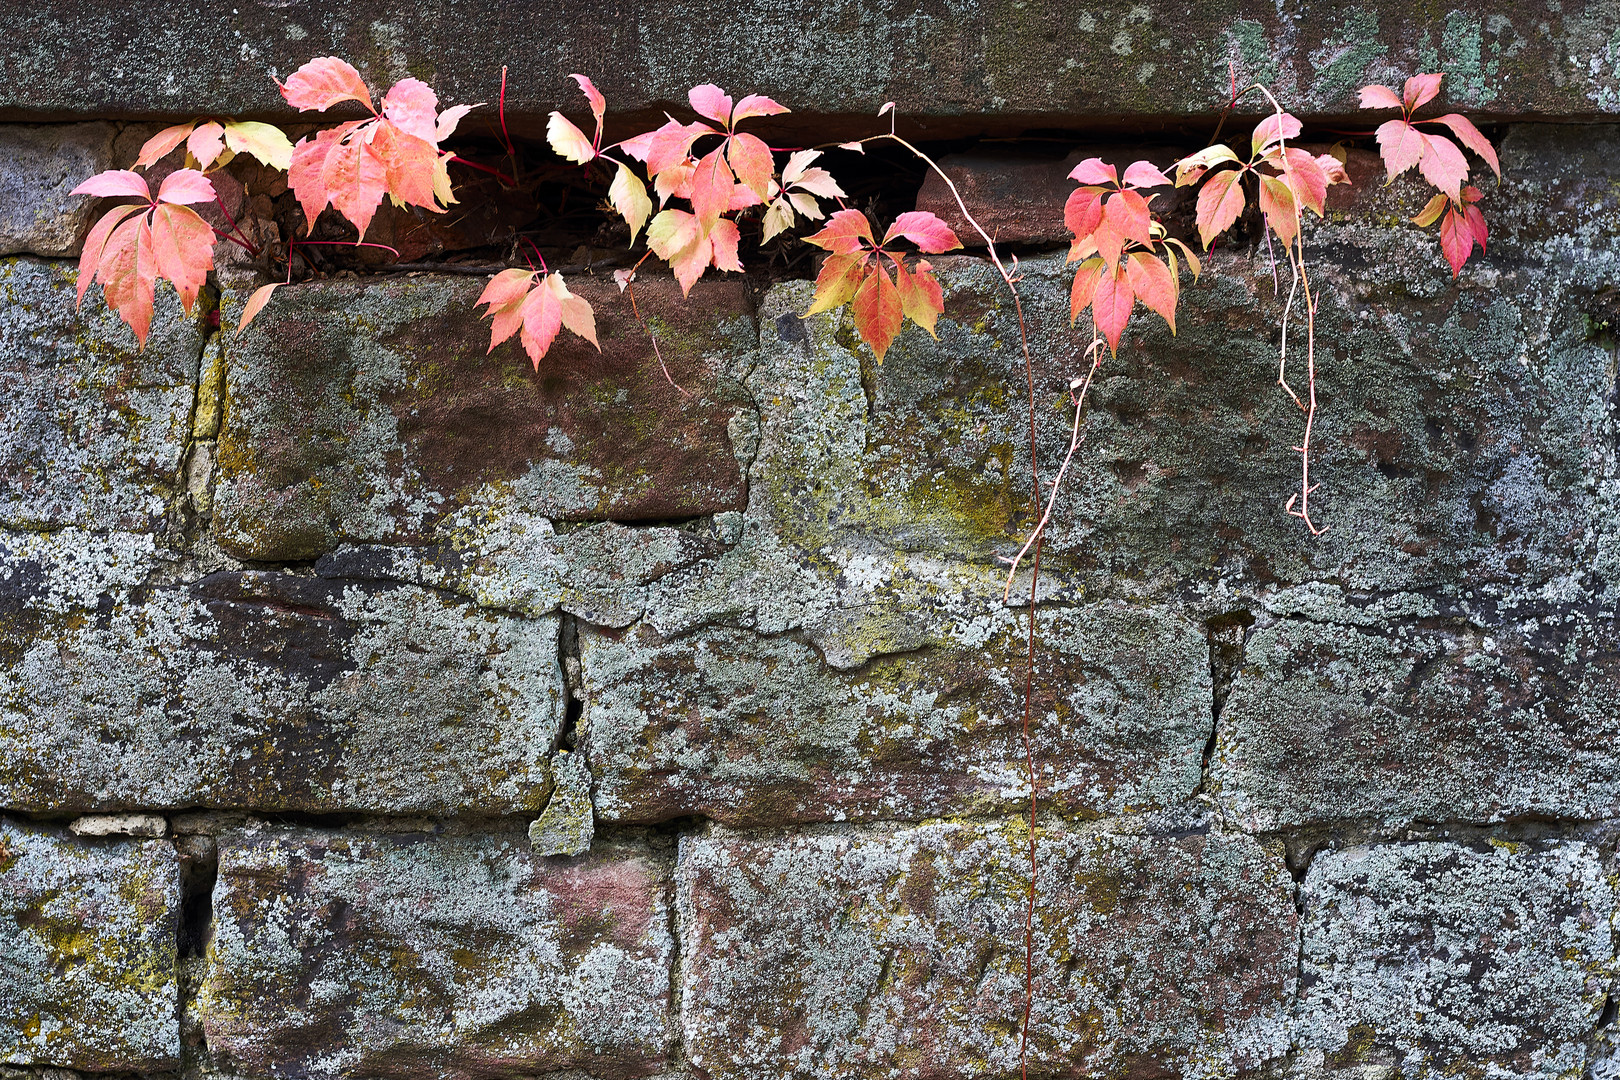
(858, 954)
(1457, 960)
(346, 955)
(91, 431)
(747, 728)
(39, 165)
(371, 413)
(273, 691)
(1401, 708)
(87, 944)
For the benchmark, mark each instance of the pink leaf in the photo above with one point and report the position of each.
(186, 186)
(1094, 171)
(504, 298)
(182, 250)
(1401, 145)
(1274, 129)
(1379, 97)
(594, 96)
(751, 160)
(1111, 305)
(1470, 136)
(449, 120)
(304, 173)
(1141, 174)
(723, 238)
(1128, 214)
(1220, 201)
(250, 310)
(414, 108)
(1420, 89)
(671, 144)
(1443, 165)
(1083, 211)
(1153, 284)
(928, 232)
(205, 143)
(95, 244)
(155, 148)
(1456, 240)
(756, 105)
(712, 182)
(322, 83)
(115, 183)
(711, 101)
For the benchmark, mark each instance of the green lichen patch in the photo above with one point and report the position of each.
(87, 944)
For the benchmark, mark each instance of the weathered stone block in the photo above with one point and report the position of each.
(748, 728)
(87, 945)
(371, 413)
(91, 432)
(347, 955)
(1455, 960)
(961, 67)
(833, 955)
(274, 691)
(1403, 708)
(39, 165)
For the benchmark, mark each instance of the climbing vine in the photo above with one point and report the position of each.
(683, 188)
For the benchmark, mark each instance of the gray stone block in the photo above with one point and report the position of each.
(39, 165)
(87, 947)
(346, 955)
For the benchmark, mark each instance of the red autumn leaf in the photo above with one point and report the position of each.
(921, 299)
(1129, 215)
(1379, 97)
(1111, 304)
(712, 184)
(1443, 165)
(515, 302)
(1476, 222)
(1456, 239)
(1420, 89)
(711, 101)
(1140, 174)
(96, 243)
(322, 83)
(1401, 145)
(182, 250)
(837, 282)
(1153, 284)
(1220, 201)
(408, 164)
(1470, 136)
(672, 143)
(877, 310)
(353, 179)
(1281, 210)
(1302, 171)
(843, 233)
(1083, 211)
(929, 233)
(1094, 171)
(1084, 288)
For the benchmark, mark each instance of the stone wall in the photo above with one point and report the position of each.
(374, 707)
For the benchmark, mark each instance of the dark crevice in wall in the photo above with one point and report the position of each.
(1227, 634)
(199, 870)
(573, 683)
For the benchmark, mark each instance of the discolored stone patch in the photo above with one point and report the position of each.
(87, 945)
(349, 955)
(277, 691)
(371, 413)
(1455, 960)
(856, 954)
(91, 431)
(747, 728)
(1402, 708)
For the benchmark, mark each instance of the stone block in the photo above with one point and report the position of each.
(900, 953)
(970, 67)
(743, 727)
(1455, 960)
(458, 957)
(91, 431)
(39, 165)
(372, 413)
(87, 945)
(270, 691)
(1395, 709)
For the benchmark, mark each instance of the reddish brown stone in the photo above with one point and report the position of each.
(371, 412)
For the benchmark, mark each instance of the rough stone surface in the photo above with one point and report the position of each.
(275, 691)
(747, 728)
(371, 412)
(838, 954)
(1402, 708)
(39, 165)
(568, 823)
(93, 431)
(87, 947)
(342, 955)
(1045, 63)
(1454, 960)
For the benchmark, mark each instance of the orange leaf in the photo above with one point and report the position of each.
(837, 283)
(355, 179)
(128, 275)
(1470, 136)
(1111, 305)
(1281, 210)
(712, 182)
(1443, 165)
(1220, 201)
(921, 298)
(751, 160)
(723, 240)
(1274, 129)
(304, 173)
(206, 143)
(322, 83)
(877, 310)
(96, 243)
(1431, 213)
(1084, 288)
(408, 165)
(255, 304)
(843, 233)
(1127, 214)
(1153, 284)
(159, 145)
(503, 298)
